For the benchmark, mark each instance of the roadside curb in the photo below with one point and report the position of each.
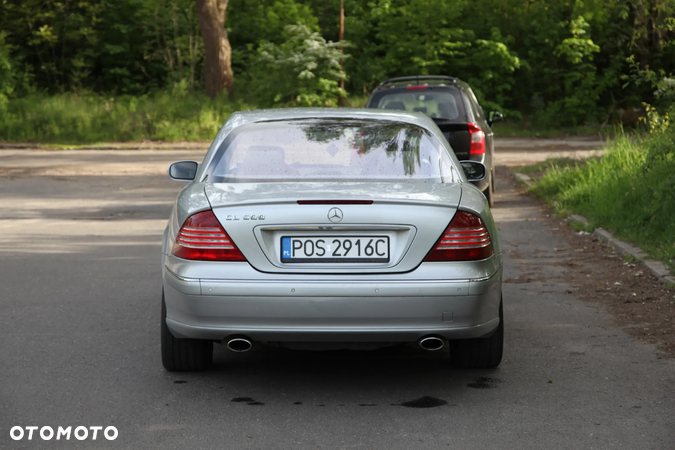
(527, 181)
(657, 268)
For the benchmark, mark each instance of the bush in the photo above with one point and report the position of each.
(302, 71)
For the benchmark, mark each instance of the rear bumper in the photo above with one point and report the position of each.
(307, 309)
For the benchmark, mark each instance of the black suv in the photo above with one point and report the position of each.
(453, 106)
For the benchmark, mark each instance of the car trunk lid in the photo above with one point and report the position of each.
(264, 219)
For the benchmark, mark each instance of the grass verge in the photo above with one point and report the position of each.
(630, 191)
(70, 119)
(82, 119)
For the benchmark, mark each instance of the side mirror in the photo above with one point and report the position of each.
(183, 170)
(494, 117)
(474, 170)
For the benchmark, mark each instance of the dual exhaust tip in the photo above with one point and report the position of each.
(239, 344)
(242, 344)
(431, 343)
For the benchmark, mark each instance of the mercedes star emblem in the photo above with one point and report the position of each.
(335, 215)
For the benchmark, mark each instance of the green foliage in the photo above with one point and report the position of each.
(255, 22)
(664, 84)
(430, 37)
(628, 191)
(57, 38)
(302, 71)
(559, 63)
(577, 49)
(6, 73)
(492, 66)
(114, 46)
(434, 43)
(175, 40)
(251, 23)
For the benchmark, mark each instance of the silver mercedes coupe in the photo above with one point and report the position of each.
(330, 229)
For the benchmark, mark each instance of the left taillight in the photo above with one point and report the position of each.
(465, 239)
(202, 238)
(477, 140)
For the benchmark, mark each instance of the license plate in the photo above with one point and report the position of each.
(334, 249)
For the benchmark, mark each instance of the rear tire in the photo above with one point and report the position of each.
(484, 353)
(183, 355)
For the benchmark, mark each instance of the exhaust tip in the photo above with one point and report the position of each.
(431, 343)
(239, 345)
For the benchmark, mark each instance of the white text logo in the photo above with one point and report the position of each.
(48, 433)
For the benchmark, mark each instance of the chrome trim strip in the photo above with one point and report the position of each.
(202, 235)
(178, 277)
(446, 245)
(223, 280)
(192, 239)
(205, 246)
(203, 229)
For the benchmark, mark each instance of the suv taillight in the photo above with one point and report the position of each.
(202, 238)
(465, 239)
(477, 140)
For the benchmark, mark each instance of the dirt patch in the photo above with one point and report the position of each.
(515, 152)
(639, 303)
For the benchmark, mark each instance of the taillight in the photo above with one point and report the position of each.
(465, 239)
(203, 238)
(417, 87)
(477, 140)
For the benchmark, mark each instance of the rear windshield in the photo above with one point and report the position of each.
(446, 104)
(330, 150)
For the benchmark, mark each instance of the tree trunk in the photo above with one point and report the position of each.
(217, 51)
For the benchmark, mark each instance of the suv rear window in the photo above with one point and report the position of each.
(330, 150)
(446, 104)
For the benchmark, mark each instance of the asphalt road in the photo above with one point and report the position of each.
(79, 326)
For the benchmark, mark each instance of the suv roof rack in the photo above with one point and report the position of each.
(417, 78)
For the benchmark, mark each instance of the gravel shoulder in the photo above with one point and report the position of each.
(639, 303)
(525, 151)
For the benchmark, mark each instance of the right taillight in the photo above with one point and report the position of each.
(465, 239)
(202, 238)
(477, 140)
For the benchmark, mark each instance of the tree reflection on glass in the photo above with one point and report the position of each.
(395, 139)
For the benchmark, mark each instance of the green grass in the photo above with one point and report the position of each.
(75, 119)
(177, 115)
(629, 191)
(70, 119)
(549, 164)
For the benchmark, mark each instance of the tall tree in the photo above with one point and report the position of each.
(217, 51)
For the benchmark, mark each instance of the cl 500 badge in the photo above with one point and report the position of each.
(246, 217)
